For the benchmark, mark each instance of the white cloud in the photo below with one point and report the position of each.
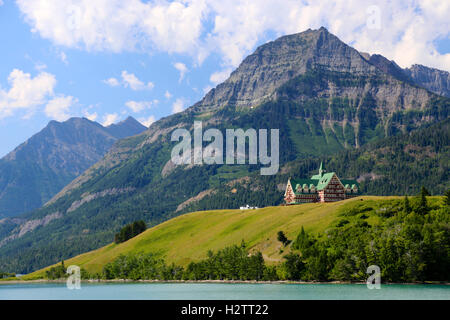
(40, 66)
(1, 2)
(168, 95)
(147, 121)
(25, 92)
(130, 80)
(408, 28)
(178, 105)
(109, 119)
(220, 76)
(181, 67)
(115, 25)
(138, 106)
(62, 55)
(91, 116)
(112, 82)
(58, 107)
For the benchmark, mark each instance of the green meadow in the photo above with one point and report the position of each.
(189, 237)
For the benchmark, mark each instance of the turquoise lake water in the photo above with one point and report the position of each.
(220, 291)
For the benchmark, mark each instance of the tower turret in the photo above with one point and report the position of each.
(321, 169)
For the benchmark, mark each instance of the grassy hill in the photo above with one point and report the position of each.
(189, 237)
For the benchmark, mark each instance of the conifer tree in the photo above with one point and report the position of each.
(406, 205)
(423, 205)
(447, 198)
(282, 238)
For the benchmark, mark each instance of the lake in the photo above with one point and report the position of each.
(221, 291)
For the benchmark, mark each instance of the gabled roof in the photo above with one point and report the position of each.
(320, 181)
(350, 183)
(319, 184)
(324, 180)
(301, 182)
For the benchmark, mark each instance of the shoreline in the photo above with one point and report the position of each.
(4, 281)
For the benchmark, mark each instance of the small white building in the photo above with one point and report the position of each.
(247, 207)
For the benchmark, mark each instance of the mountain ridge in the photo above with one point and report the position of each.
(435, 80)
(301, 49)
(52, 158)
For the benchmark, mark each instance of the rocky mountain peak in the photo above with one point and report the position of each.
(128, 127)
(278, 61)
(437, 81)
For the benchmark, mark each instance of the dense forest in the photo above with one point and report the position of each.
(396, 165)
(409, 239)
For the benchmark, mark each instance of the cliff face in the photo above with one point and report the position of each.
(40, 167)
(316, 66)
(435, 80)
(279, 61)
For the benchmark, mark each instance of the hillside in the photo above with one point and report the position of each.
(407, 238)
(323, 95)
(189, 237)
(395, 165)
(40, 167)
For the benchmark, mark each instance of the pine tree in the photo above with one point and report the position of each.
(423, 205)
(303, 242)
(447, 198)
(282, 238)
(406, 205)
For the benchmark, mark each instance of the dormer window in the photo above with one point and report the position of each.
(305, 188)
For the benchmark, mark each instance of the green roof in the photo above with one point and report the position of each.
(301, 182)
(350, 182)
(321, 171)
(323, 181)
(319, 181)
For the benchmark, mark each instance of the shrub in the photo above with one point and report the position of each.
(129, 231)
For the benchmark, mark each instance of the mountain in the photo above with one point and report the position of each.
(126, 128)
(276, 63)
(435, 80)
(40, 167)
(326, 99)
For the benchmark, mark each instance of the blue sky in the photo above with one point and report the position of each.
(106, 60)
